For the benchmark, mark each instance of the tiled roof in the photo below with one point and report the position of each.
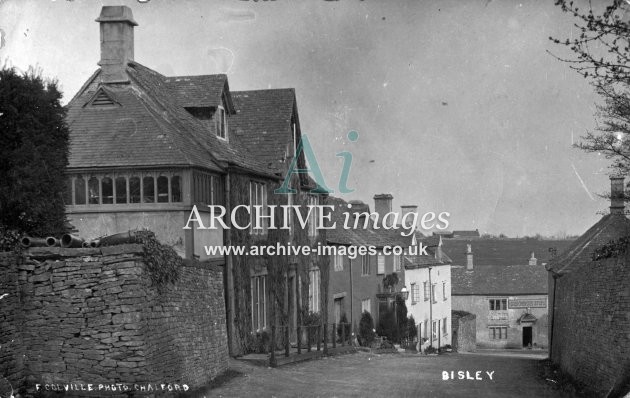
(148, 127)
(610, 228)
(502, 251)
(263, 123)
(493, 280)
(197, 91)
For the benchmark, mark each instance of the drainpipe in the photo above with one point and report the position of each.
(553, 316)
(430, 308)
(351, 299)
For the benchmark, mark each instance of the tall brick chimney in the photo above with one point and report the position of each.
(617, 202)
(116, 24)
(469, 257)
(383, 204)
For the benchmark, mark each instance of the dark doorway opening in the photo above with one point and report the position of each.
(527, 336)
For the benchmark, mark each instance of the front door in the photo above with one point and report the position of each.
(527, 336)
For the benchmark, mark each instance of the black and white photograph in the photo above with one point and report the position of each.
(314, 198)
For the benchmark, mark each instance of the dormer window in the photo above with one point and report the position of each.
(221, 121)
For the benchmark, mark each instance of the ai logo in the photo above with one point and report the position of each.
(304, 146)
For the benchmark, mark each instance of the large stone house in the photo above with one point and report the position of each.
(589, 292)
(509, 301)
(145, 148)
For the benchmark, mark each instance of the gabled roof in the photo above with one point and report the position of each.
(510, 280)
(149, 128)
(263, 122)
(499, 252)
(610, 228)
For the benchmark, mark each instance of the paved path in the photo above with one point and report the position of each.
(392, 375)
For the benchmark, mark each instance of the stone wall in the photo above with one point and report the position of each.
(591, 339)
(91, 316)
(464, 327)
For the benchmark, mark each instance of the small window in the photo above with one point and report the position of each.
(162, 187)
(415, 293)
(148, 190)
(121, 190)
(433, 293)
(444, 327)
(365, 265)
(497, 332)
(427, 291)
(221, 123)
(79, 191)
(498, 304)
(314, 291)
(366, 305)
(134, 190)
(107, 189)
(176, 189)
(444, 295)
(381, 264)
(397, 261)
(258, 197)
(93, 191)
(337, 262)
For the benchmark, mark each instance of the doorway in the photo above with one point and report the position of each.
(527, 336)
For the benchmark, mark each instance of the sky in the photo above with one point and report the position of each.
(459, 106)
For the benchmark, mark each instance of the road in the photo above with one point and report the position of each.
(484, 374)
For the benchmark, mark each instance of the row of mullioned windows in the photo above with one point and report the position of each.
(123, 189)
(337, 261)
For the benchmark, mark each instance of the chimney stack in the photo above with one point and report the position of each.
(533, 260)
(116, 23)
(407, 209)
(383, 204)
(469, 257)
(617, 203)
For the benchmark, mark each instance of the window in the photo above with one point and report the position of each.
(93, 191)
(313, 291)
(380, 264)
(498, 304)
(444, 295)
(444, 327)
(312, 219)
(433, 293)
(415, 293)
(337, 262)
(365, 265)
(79, 191)
(258, 197)
(259, 302)
(427, 291)
(121, 190)
(207, 188)
(134, 190)
(162, 189)
(107, 190)
(221, 122)
(435, 329)
(426, 328)
(366, 305)
(497, 332)
(397, 263)
(176, 189)
(148, 190)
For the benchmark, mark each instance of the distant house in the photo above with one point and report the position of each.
(145, 148)
(428, 281)
(509, 302)
(589, 288)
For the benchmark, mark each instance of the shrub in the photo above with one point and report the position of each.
(366, 329)
(430, 350)
(310, 322)
(259, 342)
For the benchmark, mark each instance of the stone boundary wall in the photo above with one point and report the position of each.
(591, 329)
(91, 316)
(464, 326)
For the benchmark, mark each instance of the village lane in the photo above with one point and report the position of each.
(393, 375)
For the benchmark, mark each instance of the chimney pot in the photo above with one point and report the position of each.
(533, 260)
(116, 27)
(617, 203)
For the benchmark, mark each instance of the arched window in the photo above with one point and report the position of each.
(79, 191)
(176, 189)
(121, 190)
(134, 190)
(107, 190)
(162, 189)
(93, 191)
(148, 190)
